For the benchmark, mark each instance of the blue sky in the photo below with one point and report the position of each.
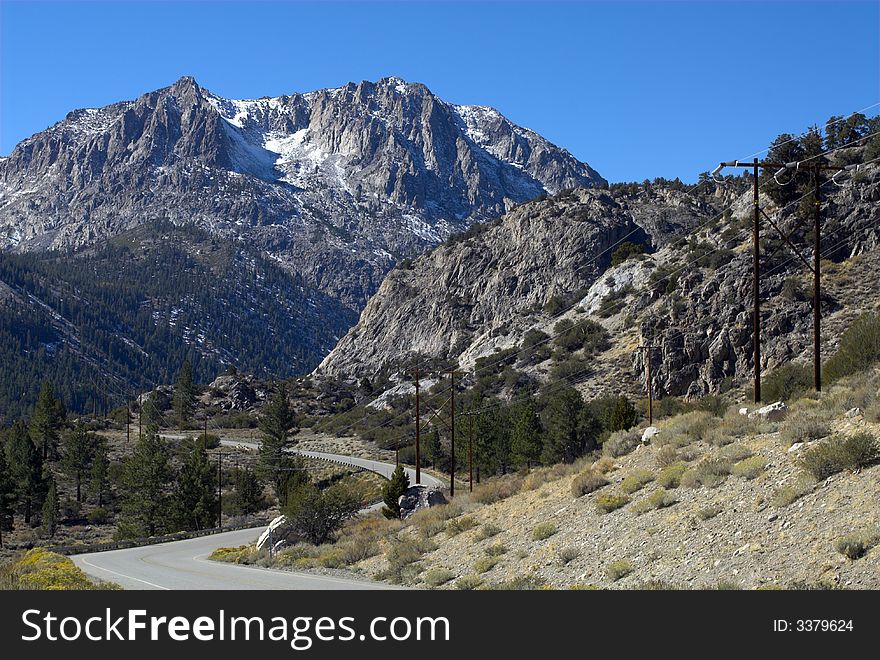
(636, 89)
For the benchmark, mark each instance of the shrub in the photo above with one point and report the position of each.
(487, 531)
(98, 516)
(709, 512)
(789, 493)
(432, 521)
(401, 553)
(586, 482)
(670, 476)
(787, 382)
(621, 443)
(485, 564)
(468, 583)
(667, 455)
(608, 502)
(604, 465)
(719, 437)
(568, 555)
(750, 468)
(619, 569)
(659, 499)
(624, 251)
(854, 546)
(636, 480)
(437, 577)
(41, 570)
(587, 335)
(803, 428)
(859, 348)
(834, 455)
(735, 453)
(694, 424)
(497, 489)
(520, 583)
(495, 550)
(461, 524)
(544, 531)
(709, 472)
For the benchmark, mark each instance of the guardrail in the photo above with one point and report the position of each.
(151, 540)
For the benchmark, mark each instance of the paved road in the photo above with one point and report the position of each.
(184, 564)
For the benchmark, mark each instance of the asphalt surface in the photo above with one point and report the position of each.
(185, 564)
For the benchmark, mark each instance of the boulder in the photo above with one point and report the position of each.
(419, 497)
(775, 412)
(649, 433)
(852, 413)
(277, 535)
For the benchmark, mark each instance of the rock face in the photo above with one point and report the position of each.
(277, 535)
(462, 295)
(335, 184)
(419, 497)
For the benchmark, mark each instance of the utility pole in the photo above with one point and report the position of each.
(219, 487)
(128, 423)
(140, 413)
(418, 433)
(816, 168)
(650, 385)
(817, 274)
(452, 436)
(470, 452)
(756, 282)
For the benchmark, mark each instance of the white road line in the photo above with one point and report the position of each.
(122, 575)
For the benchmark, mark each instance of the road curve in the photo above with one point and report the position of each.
(185, 564)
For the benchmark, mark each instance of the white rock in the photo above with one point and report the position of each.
(272, 530)
(795, 447)
(853, 412)
(744, 411)
(775, 412)
(649, 433)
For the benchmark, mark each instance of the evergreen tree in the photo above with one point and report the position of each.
(7, 497)
(195, 495)
(184, 394)
(276, 426)
(146, 481)
(434, 449)
(77, 456)
(621, 416)
(315, 514)
(47, 420)
(99, 475)
(392, 490)
(525, 441)
(570, 429)
(51, 508)
(247, 494)
(152, 414)
(25, 464)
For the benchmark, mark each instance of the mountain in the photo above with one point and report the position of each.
(520, 282)
(108, 320)
(336, 185)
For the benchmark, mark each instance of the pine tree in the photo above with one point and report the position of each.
(570, 429)
(392, 490)
(195, 495)
(25, 464)
(77, 456)
(152, 414)
(184, 394)
(276, 426)
(47, 420)
(99, 475)
(51, 508)
(146, 481)
(7, 497)
(525, 441)
(621, 416)
(247, 494)
(434, 450)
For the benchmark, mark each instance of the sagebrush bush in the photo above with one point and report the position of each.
(636, 480)
(544, 531)
(718, 436)
(487, 531)
(734, 453)
(666, 455)
(485, 564)
(587, 482)
(433, 520)
(568, 555)
(709, 472)
(461, 524)
(495, 550)
(437, 577)
(750, 468)
(468, 583)
(604, 465)
(855, 546)
(803, 428)
(837, 454)
(608, 502)
(621, 443)
(497, 489)
(692, 425)
(520, 583)
(670, 476)
(786, 382)
(859, 348)
(790, 492)
(619, 569)
(709, 512)
(659, 499)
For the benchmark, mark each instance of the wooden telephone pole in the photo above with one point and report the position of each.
(816, 169)
(451, 373)
(418, 432)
